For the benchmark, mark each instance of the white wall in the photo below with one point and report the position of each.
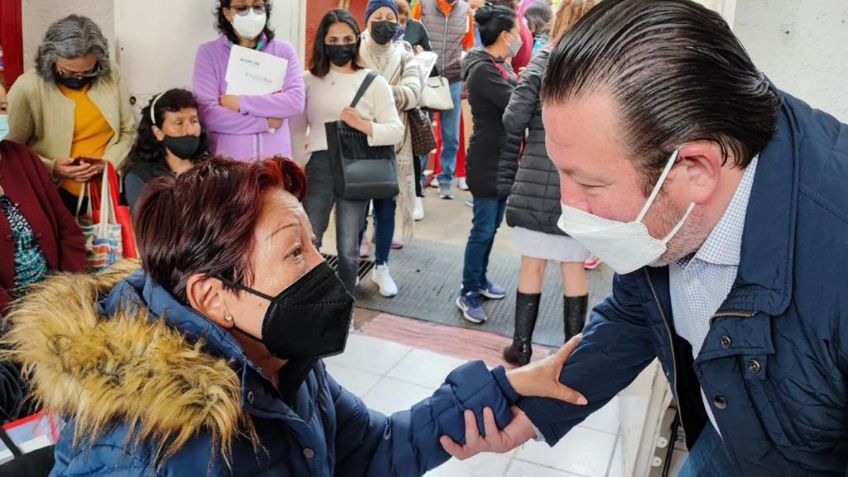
(37, 15)
(801, 46)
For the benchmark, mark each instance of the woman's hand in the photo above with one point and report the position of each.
(352, 118)
(64, 169)
(230, 102)
(541, 378)
(516, 433)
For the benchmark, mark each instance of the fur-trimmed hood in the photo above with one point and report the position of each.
(122, 365)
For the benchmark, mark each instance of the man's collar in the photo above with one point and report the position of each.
(764, 280)
(724, 244)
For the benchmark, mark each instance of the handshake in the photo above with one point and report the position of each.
(537, 379)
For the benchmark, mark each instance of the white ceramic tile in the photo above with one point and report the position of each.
(526, 469)
(606, 419)
(617, 467)
(582, 451)
(374, 355)
(425, 368)
(390, 395)
(354, 380)
(483, 465)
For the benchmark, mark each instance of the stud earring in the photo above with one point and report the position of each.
(228, 317)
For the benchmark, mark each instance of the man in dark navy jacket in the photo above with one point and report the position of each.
(722, 204)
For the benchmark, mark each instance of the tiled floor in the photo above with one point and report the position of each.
(391, 377)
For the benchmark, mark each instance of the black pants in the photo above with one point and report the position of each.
(416, 164)
(70, 201)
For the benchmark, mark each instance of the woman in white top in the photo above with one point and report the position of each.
(331, 83)
(382, 54)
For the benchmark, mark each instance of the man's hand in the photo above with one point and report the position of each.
(64, 169)
(516, 433)
(275, 123)
(541, 378)
(230, 102)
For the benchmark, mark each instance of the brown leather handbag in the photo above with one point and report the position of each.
(421, 132)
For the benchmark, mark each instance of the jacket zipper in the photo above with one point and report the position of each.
(445, 46)
(671, 342)
(736, 314)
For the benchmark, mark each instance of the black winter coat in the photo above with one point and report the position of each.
(534, 203)
(492, 154)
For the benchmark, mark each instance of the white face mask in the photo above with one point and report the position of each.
(249, 25)
(4, 126)
(515, 46)
(624, 246)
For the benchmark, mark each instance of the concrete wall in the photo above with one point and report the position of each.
(801, 46)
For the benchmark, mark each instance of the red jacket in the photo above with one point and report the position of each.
(27, 183)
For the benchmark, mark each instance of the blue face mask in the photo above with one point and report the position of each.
(4, 126)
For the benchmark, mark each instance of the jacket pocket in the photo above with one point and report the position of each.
(788, 422)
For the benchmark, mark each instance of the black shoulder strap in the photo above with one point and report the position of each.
(369, 78)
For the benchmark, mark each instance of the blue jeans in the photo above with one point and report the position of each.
(709, 457)
(488, 215)
(450, 134)
(318, 203)
(384, 228)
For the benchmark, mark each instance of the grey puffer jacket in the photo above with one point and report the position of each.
(534, 202)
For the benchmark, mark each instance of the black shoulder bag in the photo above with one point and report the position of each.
(360, 171)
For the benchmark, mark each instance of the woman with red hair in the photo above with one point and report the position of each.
(208, 360)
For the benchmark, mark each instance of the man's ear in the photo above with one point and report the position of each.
(701, 162)
(205, 295)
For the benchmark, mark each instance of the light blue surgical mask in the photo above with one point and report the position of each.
(4, 126)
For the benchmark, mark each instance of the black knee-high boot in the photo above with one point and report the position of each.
(574, 314)
(526, 311)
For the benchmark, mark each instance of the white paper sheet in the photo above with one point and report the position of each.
(251, 72)
(426, 60)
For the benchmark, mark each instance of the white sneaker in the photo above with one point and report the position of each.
(462, 184)
(383, 280)
(418, 212)
(435, 182)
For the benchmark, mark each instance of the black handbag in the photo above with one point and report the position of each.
(360, 171)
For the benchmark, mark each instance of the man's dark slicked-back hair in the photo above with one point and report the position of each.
(677, 74)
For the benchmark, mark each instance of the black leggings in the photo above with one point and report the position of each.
(416, 164)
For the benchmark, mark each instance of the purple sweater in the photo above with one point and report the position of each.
(244, 135)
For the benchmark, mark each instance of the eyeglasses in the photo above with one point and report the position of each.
(92, 73)
(243, 10)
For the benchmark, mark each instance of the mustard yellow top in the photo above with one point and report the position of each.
(92, 132)
(45, 119)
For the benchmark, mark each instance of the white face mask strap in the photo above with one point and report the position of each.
(679, 224)
(658, 187)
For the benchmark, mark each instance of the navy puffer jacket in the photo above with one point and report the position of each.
(153, 388)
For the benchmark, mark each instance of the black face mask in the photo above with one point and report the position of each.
(75, 82)
(309, 319)
(383, 32)
(184, 147)
(341, 55)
